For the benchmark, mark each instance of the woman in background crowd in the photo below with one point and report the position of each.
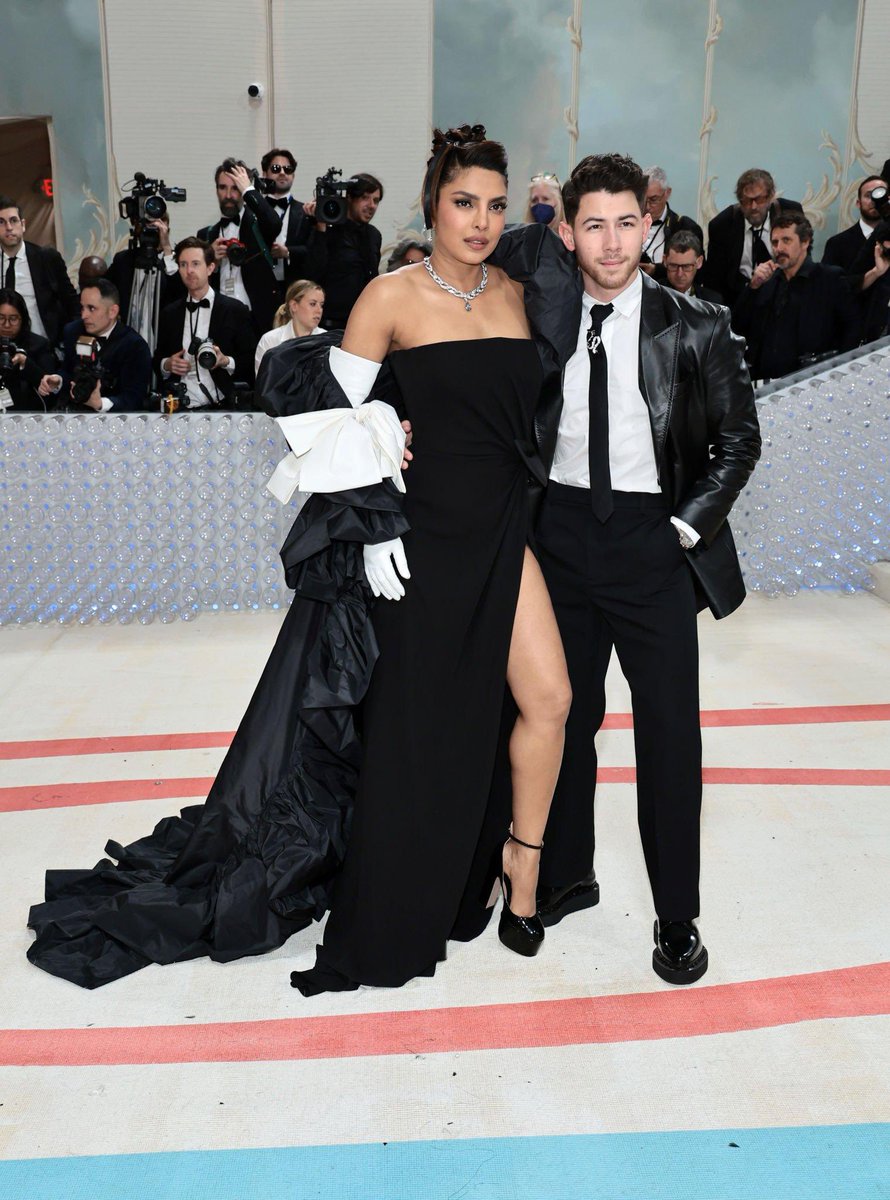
(31, 359)
(409, 250)
(544, 201)
(299, 316)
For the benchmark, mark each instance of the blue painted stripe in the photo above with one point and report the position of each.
(834, 1162)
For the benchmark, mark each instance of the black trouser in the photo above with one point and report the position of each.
(626, 584)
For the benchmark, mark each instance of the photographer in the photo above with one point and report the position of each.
(242, 239)
(289, 247)
(107, 364)
(123, 271)
(873, 284)
(205, 340)
(344, 258)
(25, 358)
(37, 273)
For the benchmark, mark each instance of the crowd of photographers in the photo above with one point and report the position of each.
(181, 326)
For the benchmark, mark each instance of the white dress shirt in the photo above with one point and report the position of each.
(654, 243)
(197, 324)
(230, 281)
(275, 337)
(746, 266)
(631, 449)
(24, 285)
(867, 230)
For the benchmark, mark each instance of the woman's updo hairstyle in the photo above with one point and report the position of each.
(456, 150)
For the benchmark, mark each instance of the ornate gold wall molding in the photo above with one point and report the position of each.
(102, 243)
(570, 113)
(816, 204)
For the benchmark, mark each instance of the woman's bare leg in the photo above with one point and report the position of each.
(539, 681)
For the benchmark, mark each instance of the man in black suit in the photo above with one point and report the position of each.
(739, 236)
(844, 248)
(244, 272)
(290, 245)
(682, 263)
(794, 310)
(123, 272)
(665, 223)
(209, 317)
(343, 259)
(37, 273)
(648, 442)
(120, 357)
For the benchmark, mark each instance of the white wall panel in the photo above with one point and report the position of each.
(178, 72)
(353, 89)
(874, 83)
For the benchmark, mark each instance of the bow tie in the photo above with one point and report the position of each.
(280, 203)
(194, 305)
(659, 222)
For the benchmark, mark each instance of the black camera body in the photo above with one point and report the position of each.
(146, 202)
(332, 197)
(8, 351)
(880, 198)
(172, 399)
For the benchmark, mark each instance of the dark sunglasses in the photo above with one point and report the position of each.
(278, 169)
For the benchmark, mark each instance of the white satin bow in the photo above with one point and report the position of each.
(339, 448)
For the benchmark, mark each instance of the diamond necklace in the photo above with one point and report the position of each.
(465, 296)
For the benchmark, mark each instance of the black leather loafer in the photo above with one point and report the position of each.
(679, 955)
(554, 903)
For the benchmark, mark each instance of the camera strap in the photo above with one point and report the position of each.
(260, 240)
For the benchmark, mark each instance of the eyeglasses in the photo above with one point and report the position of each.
(13, 320)
(545, 177)
(278, 169)
(684, 267)
(747, 201)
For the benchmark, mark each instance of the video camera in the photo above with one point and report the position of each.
(332, 197)
(147, 202)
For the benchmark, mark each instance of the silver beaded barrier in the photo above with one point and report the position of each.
(147, 518)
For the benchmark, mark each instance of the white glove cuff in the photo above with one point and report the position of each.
(355, 375)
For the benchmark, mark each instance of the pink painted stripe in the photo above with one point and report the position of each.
(710, 718)
(107, 791)
(696, 1012)
(32, 797)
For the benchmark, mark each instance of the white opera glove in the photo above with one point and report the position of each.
(354, 374)
(384, 563)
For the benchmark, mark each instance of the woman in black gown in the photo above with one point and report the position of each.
(427, 835)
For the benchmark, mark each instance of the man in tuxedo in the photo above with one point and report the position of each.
(124, 273)
(246, 274)
(682, 262)
(648, 443)
(37, 273)
(844, 248)
(739, 236)
(290, 245)
(119, 356)
(204, 316)
(343, 259)
(665, 223)
(794, 310)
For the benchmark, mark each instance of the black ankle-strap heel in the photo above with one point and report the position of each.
(522, 935)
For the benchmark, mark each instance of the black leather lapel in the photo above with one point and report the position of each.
(659, 348)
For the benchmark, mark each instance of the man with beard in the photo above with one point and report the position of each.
(648, 446)
(245, 269)
(342, 259)
(794, 311)
(844, 248)
(289, 248)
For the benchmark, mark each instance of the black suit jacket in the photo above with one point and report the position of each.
(230, 328)
(726, 241)
(57, 299)
(121, 272)
(817, 315)
(343, 261)
(673, 223)
(693, 377)
(844, 248)
(23, 383)
(299, 228)
(126, 366)
(262, 287)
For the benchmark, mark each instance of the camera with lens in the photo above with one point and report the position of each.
(202, 351)
(236, 251)
(880, 198)
(332, 197)
(87, 370)
(8, 351)
(147, 202)
(174, 397)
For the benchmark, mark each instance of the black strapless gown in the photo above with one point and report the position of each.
(433, 711)
(256, 863)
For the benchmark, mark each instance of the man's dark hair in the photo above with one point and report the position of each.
(612, 173)
(755, 175)
(683, 240)
(7, 202)
(266, 160)
(866, 182)
(364, 185)
(106, 290)
(17, 301)
(194, 243)
(226, 165)
(798, 221)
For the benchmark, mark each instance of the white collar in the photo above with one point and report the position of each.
(208, 295)
(106, 333)
(625, 303)
(867, 230)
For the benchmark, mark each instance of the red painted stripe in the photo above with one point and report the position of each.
(110, 791)
(116, 791)
(725, 1008)
(720, 717)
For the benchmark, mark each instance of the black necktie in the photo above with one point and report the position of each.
(194, 305)
(598, 400)
(9, 281)
(759, 252)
